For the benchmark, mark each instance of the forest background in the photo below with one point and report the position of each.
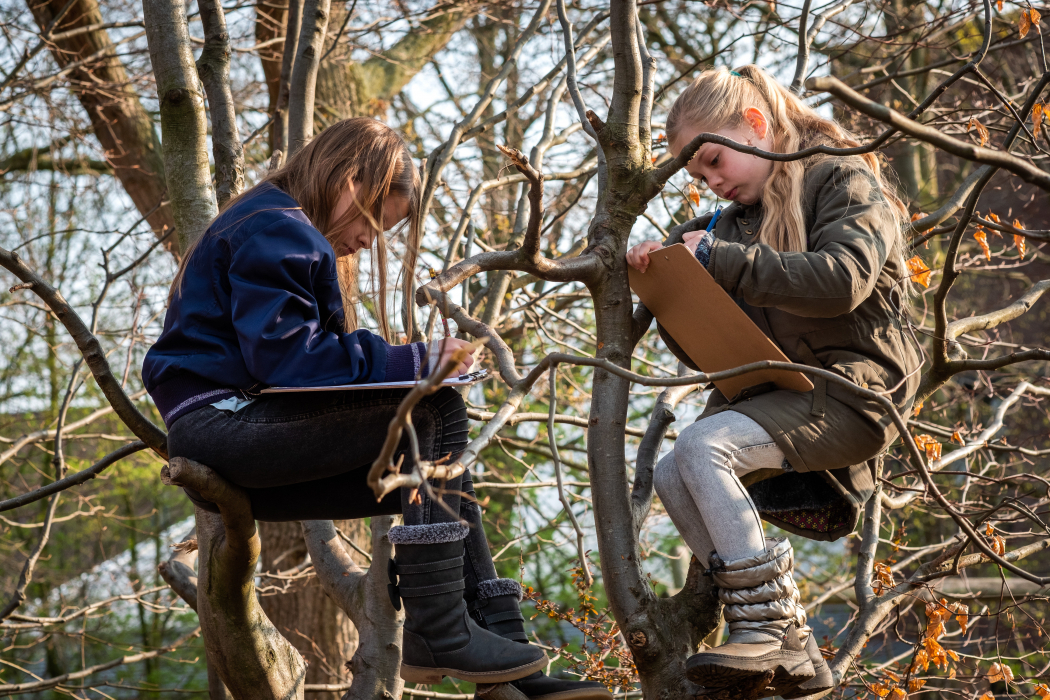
(102, 187)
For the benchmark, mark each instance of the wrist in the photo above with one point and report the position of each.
(703, 248)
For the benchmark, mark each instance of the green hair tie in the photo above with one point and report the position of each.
(733, 72)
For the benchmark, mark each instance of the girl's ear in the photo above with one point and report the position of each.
(757, 121)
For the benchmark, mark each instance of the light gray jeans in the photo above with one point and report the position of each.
(699, 484)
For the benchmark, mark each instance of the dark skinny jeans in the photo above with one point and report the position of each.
(306, 456)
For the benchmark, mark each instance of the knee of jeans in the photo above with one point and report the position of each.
(450, 411)
(697, 447)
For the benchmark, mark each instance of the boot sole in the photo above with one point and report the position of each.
(582, 694)
(823, 680)
(786, 674)
(432, 676)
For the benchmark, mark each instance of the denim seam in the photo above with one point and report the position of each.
(747, 496)
(373, 403)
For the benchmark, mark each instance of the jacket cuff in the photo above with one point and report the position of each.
(703, 248)
(404, 362)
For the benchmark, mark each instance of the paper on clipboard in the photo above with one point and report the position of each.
(461, 380)
(706, 323)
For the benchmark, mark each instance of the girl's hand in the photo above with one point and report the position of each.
(638, 256)
(692, 239)
(447, 347)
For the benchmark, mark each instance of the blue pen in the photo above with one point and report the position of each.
(714, 220)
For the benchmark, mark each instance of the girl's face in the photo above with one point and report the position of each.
(731, 174)
(360, 233)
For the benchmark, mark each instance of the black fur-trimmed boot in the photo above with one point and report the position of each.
(763, 655)
(440, 638)
(497, 608)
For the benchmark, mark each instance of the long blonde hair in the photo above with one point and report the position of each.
(718, 99)
(377, 160)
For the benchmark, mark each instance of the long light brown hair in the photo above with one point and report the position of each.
(718, 99)
(376, 159)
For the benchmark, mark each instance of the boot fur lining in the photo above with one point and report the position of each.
(436, 533)
(499, 586)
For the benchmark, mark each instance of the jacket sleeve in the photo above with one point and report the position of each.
(276, 278)
(852, 233)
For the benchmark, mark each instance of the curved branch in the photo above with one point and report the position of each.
(968, 151)
(248, 653)
(577, 269)
(980, 441)
(804, 41)
(178, 571)
(24, 579)
(363, 597)
(382, 485)
(530, 245)
(649, 448)
(73, 479)
(93, 354)
(993, 319)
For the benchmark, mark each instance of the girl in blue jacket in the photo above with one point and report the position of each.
(257, 302)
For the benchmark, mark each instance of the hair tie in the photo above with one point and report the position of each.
(733, 72)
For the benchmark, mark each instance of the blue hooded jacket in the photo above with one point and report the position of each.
(260, 306)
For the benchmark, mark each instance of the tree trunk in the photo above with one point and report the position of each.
(652, 627)
(184, 127)
(119, 121)
(308, 618)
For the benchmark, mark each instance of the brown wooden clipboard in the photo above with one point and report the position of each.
(706, 323)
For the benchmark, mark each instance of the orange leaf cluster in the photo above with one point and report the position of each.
(883, 577)
(987, 696)
(915, 684)
(694, 194)
(919, 272)
(928, 444)
(1029, 19)
(937, 613)
(981, 237)
(1043, 691)
(957, 438)
(1039, 113)
(998, 542)
(931, 652)
(1000, 672)
(982, 130)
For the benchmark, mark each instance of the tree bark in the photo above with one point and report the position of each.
(308, 618)
(182, 119)
(250, 656)
(214, 70)
(121, 124)
(363, 595)
(271, 18)
(652, 627)
(304, 73)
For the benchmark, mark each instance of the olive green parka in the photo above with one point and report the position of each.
(835, 306)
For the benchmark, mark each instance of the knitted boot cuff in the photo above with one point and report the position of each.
(500, 586)
(437, 533)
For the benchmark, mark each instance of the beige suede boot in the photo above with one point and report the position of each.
(822, 678)
(763, 655)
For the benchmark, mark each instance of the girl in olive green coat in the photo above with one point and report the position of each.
(812, 250)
